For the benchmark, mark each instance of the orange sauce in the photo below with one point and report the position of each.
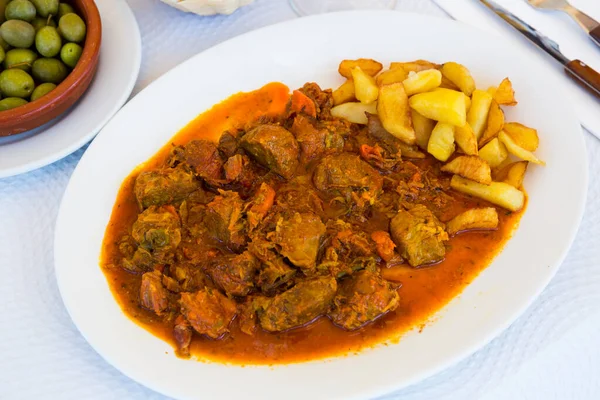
(424, 290)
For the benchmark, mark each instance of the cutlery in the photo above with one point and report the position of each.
(590, 25)
(577, 70)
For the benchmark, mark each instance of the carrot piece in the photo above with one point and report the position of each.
(385, 245)
(303, 103)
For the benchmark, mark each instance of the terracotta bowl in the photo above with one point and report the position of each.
(46, 108)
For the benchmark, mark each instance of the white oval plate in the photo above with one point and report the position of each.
(120, 60)
(309, 49)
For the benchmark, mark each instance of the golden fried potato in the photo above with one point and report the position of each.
(495, 122)
(499, 193)
(514, 149)
(410, 151)
(477, 218)
(494, 153)
(370, 67)
(344, 93)
(447, 84)
(414, 66)
(460, 76)
(492, 90)
(478, 113)
(423, 127)
(391, 76)
(505, 94)
(470, 167)
(467, 103)
(441, 141)
(365, 88)
(394, 112)
(523, 136)
(465, 139)
(513, 173)
(424, 81)
(354, 111)
(442, 105)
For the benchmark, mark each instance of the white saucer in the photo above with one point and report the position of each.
(120, 59)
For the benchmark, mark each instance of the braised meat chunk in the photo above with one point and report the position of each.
(164, 186)
(298, 305)
(158, 231)
(224, 219)
(361, 299)
(299, 238)
(234, 273)
(208, 311)
(153, 294)
(273, 147)
(204, 158)
(419, 235)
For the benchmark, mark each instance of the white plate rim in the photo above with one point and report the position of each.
(580, 195)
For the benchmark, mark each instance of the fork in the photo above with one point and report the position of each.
(591, 26)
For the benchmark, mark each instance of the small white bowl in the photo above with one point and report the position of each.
(208, 7)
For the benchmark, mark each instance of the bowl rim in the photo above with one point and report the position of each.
(87, 64)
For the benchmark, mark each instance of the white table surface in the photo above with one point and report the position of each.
(551, 352)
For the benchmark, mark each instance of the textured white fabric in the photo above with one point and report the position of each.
(42, 355)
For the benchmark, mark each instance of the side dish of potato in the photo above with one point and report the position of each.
(440, 109)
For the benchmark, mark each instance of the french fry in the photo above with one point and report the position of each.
(505, 94)
(494, 153)
(344, 93)
(423, 81)
(470, 167)
(467, 103)
(465, 139)
(365, 88)
(441, 141)
(477, 218)
(513, 173)
(391, 76)
(354, 111)
(442, 105)
(478, 113)
(423, 127)
(370, 67)
(460, 76)
(447, 84)
(522, 135)
(394, 112)
(495, 122)
(414, 66)
(517, 150)
(499, 193)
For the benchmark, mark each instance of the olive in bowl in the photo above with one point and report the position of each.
(47, 59)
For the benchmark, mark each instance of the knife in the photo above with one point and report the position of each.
(577, 70)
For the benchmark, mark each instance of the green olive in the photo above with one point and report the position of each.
(20, 58)
(11, 102)
(3, 4)
(16, 83)
(20, 9)
(3, 43)
(48, 42)
(46, 7)
(63, 9)
(39, 22)
(70, 53)
(42, 90)
(72, 27)
(18, 33)
(49, 70)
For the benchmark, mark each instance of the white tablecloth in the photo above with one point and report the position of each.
(551, 352)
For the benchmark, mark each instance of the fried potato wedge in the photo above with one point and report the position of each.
(370, 67)
(423, 127)
(498, 193)
(478, 113)
(391, 76)
(394, 112)
(414, 66)
(465, 139)
(460, 76)
(516, 150)
(423, 81)
(344, 93)
(470, 167)
(447, 84)
(492, 90)
(365, 88)
(522, 135)
(494, 153)
(495, 123)
(467, 103)
(513, 173)
(441, 141)
(354, 111)
(442, 105)
(477, 218)
(505, 94)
